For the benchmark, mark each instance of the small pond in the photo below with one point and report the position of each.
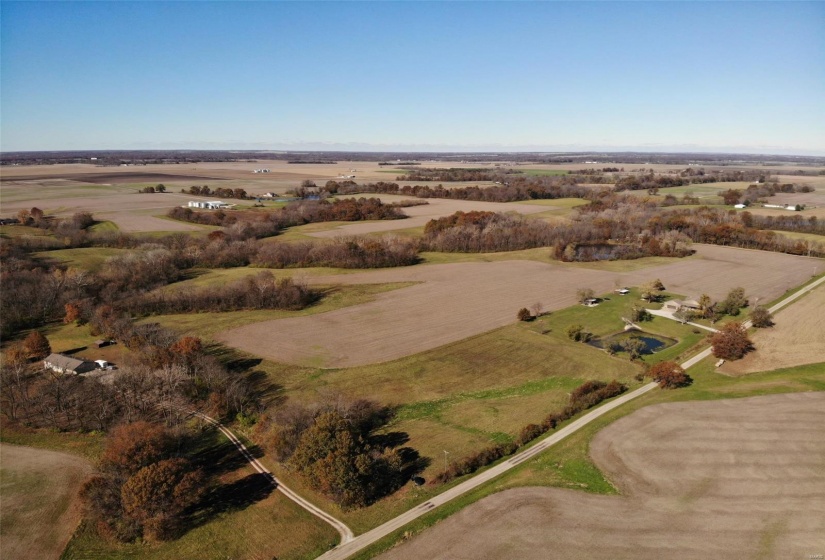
(653, 342)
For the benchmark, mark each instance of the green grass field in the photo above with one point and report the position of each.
(463, 396)
(802, 236)
(704, 189)
(568, 464)
(18, 231)
(89, 258)
(104, 225)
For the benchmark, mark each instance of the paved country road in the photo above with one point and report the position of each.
(350, 545)
(347, 549)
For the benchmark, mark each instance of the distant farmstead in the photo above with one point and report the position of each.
(66, 364)
(208, 204)
(675, 305)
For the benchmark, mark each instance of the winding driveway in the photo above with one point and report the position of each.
(343, 530)
(350, 545)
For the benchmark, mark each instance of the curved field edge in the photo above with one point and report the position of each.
(39, 493)
(568, 463)
(751, 471)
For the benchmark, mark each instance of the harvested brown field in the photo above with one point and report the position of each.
(797, 338)
(420, 215)
(456, 301)
(40, 508)
(740, 478)
(128, 209)
(110, 178)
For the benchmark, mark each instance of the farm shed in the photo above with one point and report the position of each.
(209, 204)
(66, 364)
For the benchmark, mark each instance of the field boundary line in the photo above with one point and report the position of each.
(347, 549)
(338, 525)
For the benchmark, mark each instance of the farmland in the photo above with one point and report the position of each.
(437, 342)
(723, 498)
(455, 301)
(38, 489)
(795, 339)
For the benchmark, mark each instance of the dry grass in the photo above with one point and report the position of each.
(40, 509)
(797, 338)
(456, 301)
(701, 480)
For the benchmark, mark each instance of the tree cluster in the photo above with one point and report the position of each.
(669, 375)
(261, 291)
(351, 252)
(337, 449)
(731, 342)
(455, 174)
(219, 192)
(143, 490)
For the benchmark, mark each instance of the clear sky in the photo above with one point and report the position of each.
(728, 76)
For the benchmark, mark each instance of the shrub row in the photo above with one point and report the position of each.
(586, 396)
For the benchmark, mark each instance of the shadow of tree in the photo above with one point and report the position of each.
(230, 497)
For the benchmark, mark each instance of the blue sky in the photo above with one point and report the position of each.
(731, 76)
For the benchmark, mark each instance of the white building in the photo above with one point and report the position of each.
(208, 204)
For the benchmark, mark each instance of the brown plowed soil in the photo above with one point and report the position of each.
(455, 301)
(797, 338)
(742, 478)
(39, 507)
(109, 178)
(420, 215)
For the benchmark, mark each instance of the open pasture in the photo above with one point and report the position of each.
(797, 338)
(699, 479)
(455, 301)
(39, 501)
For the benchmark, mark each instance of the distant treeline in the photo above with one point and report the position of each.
(267, 223)
(261, 291)
(219, 192)
(518, 188)
(455, 174)
(193, 156)
(659, 181)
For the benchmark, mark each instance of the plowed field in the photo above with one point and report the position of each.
(455, 301)
(797, 338)
(39, 505)
(742, 478)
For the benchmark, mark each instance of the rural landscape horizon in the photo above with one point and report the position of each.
(393, 280)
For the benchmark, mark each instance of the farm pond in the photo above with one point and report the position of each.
(653, 342)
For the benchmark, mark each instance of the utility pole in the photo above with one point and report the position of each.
(445, 459)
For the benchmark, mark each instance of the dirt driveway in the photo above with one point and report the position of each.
(741, 478)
